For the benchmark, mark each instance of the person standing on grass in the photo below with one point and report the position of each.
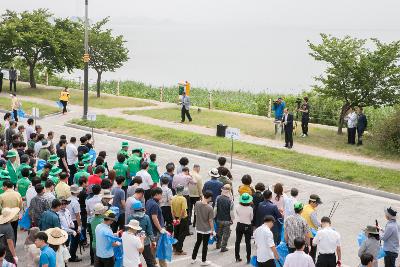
(224, 216)
(185, 108)
(287, 122)
(328, 242)
(295, 227)
(265, 246)
(245, 216)
(179, 213)
(64, 98)
(390, 238)
(361, 125)
(305, 116)
(12, 76)
(195, 192)
(299, 258)
(351, 119)
(204, 226)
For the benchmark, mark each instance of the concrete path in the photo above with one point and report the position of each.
(277, 143)
(355, 211)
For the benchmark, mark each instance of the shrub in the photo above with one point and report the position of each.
(386, 132)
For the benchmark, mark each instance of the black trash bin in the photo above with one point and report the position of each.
(221, 130)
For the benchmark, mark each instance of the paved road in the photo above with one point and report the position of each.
(356, 210)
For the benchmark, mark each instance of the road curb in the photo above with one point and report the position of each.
(244, 163)
(40, 117)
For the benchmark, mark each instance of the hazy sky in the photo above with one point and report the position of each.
(254, 44)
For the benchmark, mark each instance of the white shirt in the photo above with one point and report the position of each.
(62, 256)
(72, 154)
(147, 182)
(74, 207)
(90, 206)
(29, 129)
(37, 147)
(30, 193)
(289, 205)
(244, 214)
(66, 221)
(131, 244)
(351, 120)
(299, 259)
(264, 241)
(327, 240)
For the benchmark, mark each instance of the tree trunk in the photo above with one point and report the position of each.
(98, 83)
(32, 80)
(343, 112)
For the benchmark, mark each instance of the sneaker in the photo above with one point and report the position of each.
(180, 253)
(205, 263)
(193, 261)
(224, 249)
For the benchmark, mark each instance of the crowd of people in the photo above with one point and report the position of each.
(69, 197)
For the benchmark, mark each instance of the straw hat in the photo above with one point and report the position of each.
(7, 214)
(106, 194)
(133, 224)
(56, 236)
(371, 230)
(75, 189)
(214, 173)
(99, 208)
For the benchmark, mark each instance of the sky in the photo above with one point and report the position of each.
(230, 44)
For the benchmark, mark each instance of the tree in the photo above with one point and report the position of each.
(358, 73)
(38, 38)
(107, 53)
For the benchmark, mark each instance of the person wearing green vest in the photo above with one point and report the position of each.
(11, 158)
(46, 169)
(24, 159)
(153, 169)
(86, 159)
(121, 169)
(23, 182)
(44, 152)
(124, 149)
(134, 161)
(54, 174)
(4, 175)
(81, 173)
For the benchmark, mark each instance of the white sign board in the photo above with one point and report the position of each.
(232, 133)
(35, 113)
(91, 117)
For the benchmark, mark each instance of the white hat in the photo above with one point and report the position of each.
(106, 194)
(7, 214)
(75, 189)
(56, 236)
(99, 208)
(134, 224)
(214, 173)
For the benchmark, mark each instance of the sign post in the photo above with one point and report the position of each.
(91, 117)
(233, 134)
(35, 114)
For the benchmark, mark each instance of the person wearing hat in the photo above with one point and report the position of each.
(46, 169)
(56, 240)
(180, 216)
(371, 245)
(11, 199)
(53, 159)
(328, 242)
(145, 223)
(98, 212)
(106, 198)
(44, 152)
(54, 174)
(309, 214)
(296, 227)
(7, 215)
(4, 176)
(124, 149)
(75, 211)
(65, 217)
(62, 189)
(390, 237)
(90, 204)
(134, 161)
(105, 241)
(224, 216)
(80, 173)
(244, 213)
(213, 185)
(133, 243)
(12, 166)
(50, 218)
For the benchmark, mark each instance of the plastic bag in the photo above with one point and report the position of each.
(361, 238)
(118, 255)
(211, 240)
(25, 222)
(115, 210)
(253, 261)
(40, 164)
(164, 247)
(283, 251)
(92, 153)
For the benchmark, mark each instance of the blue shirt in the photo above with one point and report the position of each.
(215, 186)
(153, 208)
(49, 219)
(391, 237)
(104, 240)
(47, 256)
(266, 208)
(278, 109)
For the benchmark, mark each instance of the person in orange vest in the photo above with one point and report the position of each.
(309, 214)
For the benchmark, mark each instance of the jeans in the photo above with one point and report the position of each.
(326, 260)
(148, 256)
(304, 125)
(184, 112)
(390, 259)
(270, 263)
(201, 238)
(193, 201)
(246, 230)
(223, 233)
(74, 242)
(277, 232)
(180, 233)
(104, 262)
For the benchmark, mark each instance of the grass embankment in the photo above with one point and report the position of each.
(350, 172)
(105, 101)
(260, 127)
(5, 104)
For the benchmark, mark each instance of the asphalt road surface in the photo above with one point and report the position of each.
(355, 211)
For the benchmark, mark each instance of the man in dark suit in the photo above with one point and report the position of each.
(361, 125)
(287, 121)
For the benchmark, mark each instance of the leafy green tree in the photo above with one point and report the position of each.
(358, 73)
(107, 53)
(38, 38)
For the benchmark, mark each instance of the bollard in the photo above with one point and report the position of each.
(269, 108)
(117, 88)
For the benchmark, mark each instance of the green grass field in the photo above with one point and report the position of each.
(350, 172)
(259, 127)
(104, 101)
(5, 104)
